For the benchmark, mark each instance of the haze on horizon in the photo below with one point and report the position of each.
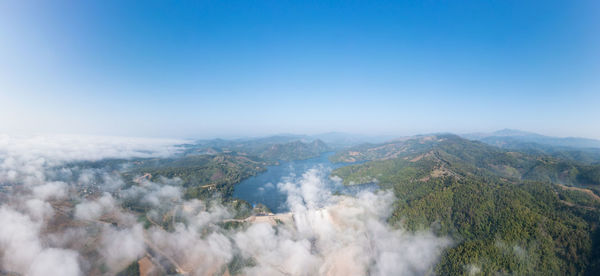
(249, 68)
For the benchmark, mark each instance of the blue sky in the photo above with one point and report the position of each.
(234, 68)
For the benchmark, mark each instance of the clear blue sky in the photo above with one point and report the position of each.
(230, 68)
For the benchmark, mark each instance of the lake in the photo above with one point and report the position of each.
(262, 188)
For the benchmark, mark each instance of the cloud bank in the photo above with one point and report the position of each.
(51, 227)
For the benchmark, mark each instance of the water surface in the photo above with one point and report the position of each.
(262, 188)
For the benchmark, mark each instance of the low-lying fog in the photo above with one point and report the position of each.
(48, 226)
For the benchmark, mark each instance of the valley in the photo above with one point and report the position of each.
(486, 198)
(490, 209)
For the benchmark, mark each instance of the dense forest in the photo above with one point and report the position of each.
(508, 212)
(212, 168)
(273, 148)
(477, 157)
(202, 176)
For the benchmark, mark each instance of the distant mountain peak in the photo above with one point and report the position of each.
(513, 132)
(512, 137)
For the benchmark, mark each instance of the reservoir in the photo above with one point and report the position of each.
(263, 188)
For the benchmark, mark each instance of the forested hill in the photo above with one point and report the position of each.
(212, 168)
(201, 176)
(511, 136)
(508, 212)
(272, 148)
(475, 157)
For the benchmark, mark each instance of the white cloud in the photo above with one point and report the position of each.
(329, 235)
(193, 252)
(39, 209)
(26, 158)
(55, 262)
(92, 210)
(23, 250)
(50, 190)
(120, 247)
(337, 235)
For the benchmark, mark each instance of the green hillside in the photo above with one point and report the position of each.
(505, 210)
(272, 148)
(214, 167)
(202, 176)
(473, 157)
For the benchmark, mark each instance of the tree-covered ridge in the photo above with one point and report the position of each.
(511, 138)
(389, 150)
(472, 157)
(295, 150)
(587, 155)
(210, 178)
(202, 176)
(271, 148)
(213, 167)
(484, 198)
(523, 228)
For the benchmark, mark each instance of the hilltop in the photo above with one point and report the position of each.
(509, 211)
